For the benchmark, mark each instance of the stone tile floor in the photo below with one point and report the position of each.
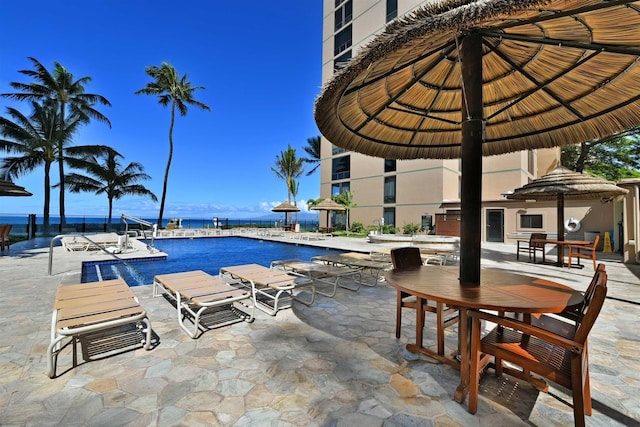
(336, 363)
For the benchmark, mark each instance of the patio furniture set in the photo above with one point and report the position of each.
(538, 242)
(523, 333)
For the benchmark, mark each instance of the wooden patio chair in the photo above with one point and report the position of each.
(558, 357)
(409, 257)
(531, 247)
(5, 229)
(575, 252)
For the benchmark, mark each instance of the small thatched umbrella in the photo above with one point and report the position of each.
(562, 184)
(285, 207)
(8, 188)
(330, 206)
(472, 78)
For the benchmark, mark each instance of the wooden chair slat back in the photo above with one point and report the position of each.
(406, 257)
(592, 307)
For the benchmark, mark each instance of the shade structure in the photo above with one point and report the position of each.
(472, 78)
(564, 184)
(285, 207)
(330, 206)
(8, 188)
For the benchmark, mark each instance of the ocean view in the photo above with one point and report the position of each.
(99, 223)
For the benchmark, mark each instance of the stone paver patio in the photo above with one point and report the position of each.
(336, 363)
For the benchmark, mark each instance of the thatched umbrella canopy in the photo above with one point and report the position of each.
(561, 184)
(470, 78)
(8, 188)
(285, 207)
(330, 206)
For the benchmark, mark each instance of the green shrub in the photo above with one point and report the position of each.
(389, 229)
(357, 227)
(411, 228)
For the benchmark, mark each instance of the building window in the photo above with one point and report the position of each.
(392, 10)
(389, 165)
(339, 2)
(389, 215)
(531, 221)
(340, 187)
(343, 15)
(390, 189)
(342, 41)
(340, 62)
(341, 168)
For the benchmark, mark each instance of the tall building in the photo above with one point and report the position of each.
(412, 191)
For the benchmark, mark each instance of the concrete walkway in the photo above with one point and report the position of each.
(336, 363)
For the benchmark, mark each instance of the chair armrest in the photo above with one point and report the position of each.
(527, 329)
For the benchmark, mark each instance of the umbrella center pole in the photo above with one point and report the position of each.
(473, 135)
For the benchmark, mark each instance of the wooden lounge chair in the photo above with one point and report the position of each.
(575, 252)
(5, 229)
(209, 301)
(531, 247)
(559, 357)
(330, 275)
(84, 310)
(409, 257)
(273, 289)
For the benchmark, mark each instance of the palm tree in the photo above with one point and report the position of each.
(288, 167)
(61, 88)
(38, 139)
(109, 177)
(294, 186)
(346, 199)
(178, 93)
(313, 150)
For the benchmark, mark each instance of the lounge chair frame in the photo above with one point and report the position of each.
(197, 294)
(358, 260)
(270, 287)
(322, 273)
(83, 309)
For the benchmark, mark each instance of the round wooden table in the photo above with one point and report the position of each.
(499, 290)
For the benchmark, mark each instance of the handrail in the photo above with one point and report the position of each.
(154, 229)
(99, 246)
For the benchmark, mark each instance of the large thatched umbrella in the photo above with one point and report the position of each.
(471, 78)
(285, 207)
(563, 184)
(330, 206)
(8, 188)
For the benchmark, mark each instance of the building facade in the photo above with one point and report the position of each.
(400, 192)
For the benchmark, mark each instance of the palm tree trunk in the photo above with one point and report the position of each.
(47, 197)
(110, 210)
(61, 171)
(166, 172)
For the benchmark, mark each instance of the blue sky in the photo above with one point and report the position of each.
(260, 65)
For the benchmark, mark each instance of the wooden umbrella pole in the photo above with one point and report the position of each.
(472, 140)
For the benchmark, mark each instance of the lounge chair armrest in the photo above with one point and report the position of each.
(528, 329)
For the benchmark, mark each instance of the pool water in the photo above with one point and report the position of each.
(199, 254)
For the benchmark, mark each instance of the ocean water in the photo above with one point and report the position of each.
(204, 254)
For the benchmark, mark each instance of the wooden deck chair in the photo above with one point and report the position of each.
(575, 252)
(556, 357)
(409, 257)
(207, 300)
(5, 229)
(88, 309)
(531, 247)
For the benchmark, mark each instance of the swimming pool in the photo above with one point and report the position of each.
(198, 254)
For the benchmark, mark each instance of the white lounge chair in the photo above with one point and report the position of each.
(208, 300)
(328, 274)
(88, 308)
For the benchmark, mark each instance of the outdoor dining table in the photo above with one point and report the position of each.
(561, 244)
(499, 290)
